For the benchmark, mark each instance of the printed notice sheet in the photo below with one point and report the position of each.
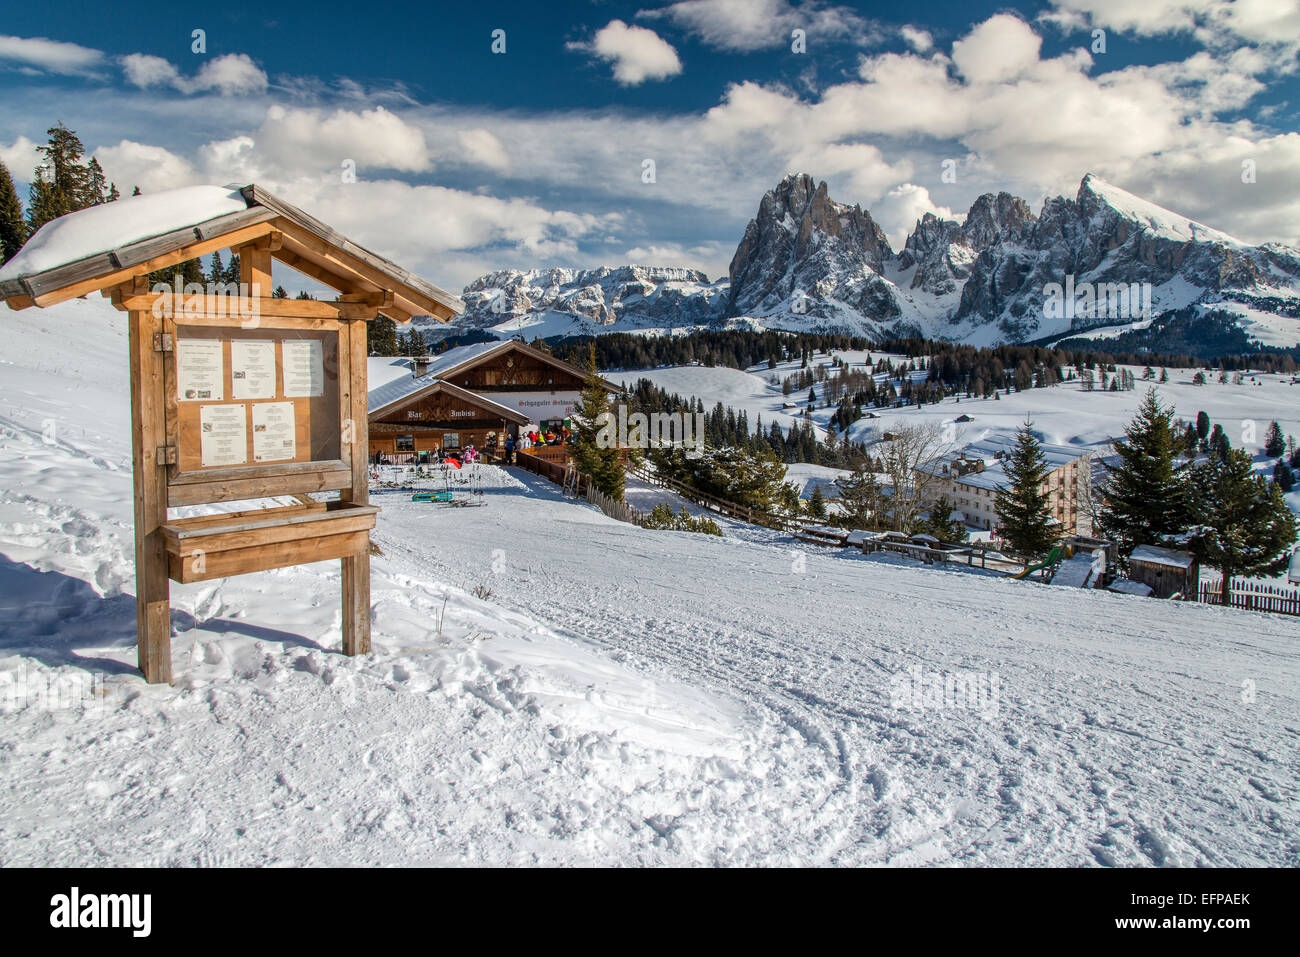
(304, 368)
(223, 439)
(252, 369)
(274, 438)
(200, 370)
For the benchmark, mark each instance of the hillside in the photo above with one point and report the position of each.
(621, 696)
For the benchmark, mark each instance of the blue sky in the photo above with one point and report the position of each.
(468, 160)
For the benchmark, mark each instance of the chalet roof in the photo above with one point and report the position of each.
(458, 361)
(495, 409)
(1154, 555)
(105, 245)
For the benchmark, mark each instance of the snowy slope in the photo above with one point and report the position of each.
(622, 696)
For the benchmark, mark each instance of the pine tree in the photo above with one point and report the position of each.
(1147, 497)
(1284, 477)
(593, 454)
(1202, 425)
(381, 337)
(1022, 505)
(13, 230)
(942, 525)
(280, 293)
(817, 503)
(1274, 441)
(1245, 527)
(63, 182)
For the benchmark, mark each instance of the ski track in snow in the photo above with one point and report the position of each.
(623, 696)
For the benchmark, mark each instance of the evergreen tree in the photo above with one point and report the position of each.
(1245, 528)
(1274, 441)
(1202, 425)
(13, 230)
(381, 337)
(280, 293)
(64, 182)
(1219, 444)
(1147, 497)
(1022, 505)
(1284, 477)
(593, 454)
(942, 525)
(817, 503)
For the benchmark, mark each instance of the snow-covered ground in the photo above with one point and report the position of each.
(618, 695)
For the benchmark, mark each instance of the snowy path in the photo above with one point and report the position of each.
(1122, 735)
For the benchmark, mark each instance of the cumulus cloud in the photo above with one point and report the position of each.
(919, 40)
(1001, 47)
(301, 138)
(231, 75)
(902, 207)
(482, 148)
(637, 54)
(49, 56)
(747, 25)
(20, 158)
(713, 259)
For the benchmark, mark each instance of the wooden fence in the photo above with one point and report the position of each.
(1252, 595)
(744, 513)
(580, 486)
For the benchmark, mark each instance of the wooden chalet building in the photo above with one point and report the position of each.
(467, 395)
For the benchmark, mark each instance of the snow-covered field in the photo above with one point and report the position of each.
(620, 695)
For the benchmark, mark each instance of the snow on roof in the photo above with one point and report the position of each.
(403, 386)
(99, 229)
(1126, 587)
(1076, 572)
(1154, 555)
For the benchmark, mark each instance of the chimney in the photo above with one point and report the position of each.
(420, 365)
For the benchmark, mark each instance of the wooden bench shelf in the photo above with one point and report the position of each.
(217, 546)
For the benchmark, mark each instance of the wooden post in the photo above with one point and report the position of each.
(148, 434)
(255, 267)
(356, 568)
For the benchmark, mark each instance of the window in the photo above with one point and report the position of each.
(406, 443)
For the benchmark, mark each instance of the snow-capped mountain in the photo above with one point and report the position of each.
(510, 300)
(1002, 273)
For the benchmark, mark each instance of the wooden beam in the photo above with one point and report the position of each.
(192, 251)
(265, 307)
(297, 235)
(152, 589)
(255, 268)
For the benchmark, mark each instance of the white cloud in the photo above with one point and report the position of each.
(144, 70)
(1001, 47)
(20, 158)
(482, 148)
(51, 56)
(309, 139)
(232, 74)
(152, 168)
(637, 54)
(919, 40)
(900, 209)
(746, 25)
(712, 259)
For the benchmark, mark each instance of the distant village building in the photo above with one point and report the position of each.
(466, 395)
(1166, 571)
(971, 477)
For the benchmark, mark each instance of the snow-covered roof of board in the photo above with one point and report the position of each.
(111, 240)
(1155, 555)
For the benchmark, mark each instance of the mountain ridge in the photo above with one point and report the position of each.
(808, 263)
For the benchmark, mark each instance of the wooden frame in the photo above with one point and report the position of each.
(164, 430)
